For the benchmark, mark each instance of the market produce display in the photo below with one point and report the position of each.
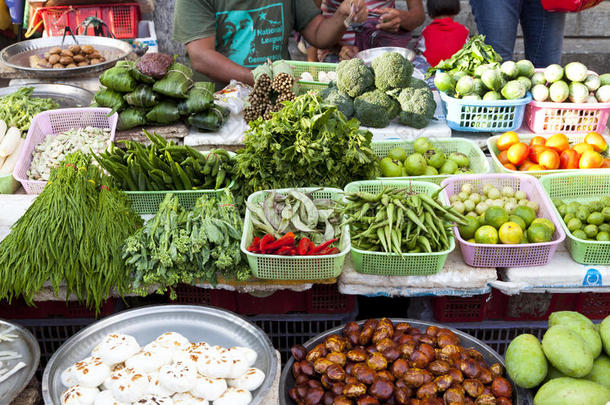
(377, 95)
(305, 144)
(49, 153)
(273, 84)
(473, 54)
(18, 109)
(187, 246)
(66, 58)
(11, 144)
(570, 366)
(71, 236)
(500, 216)
(163, 165)
(399, 221)
(427, 160)
(156, 90)
(572, 83)
(552, 153)
(494, 81)
(294, 223)
(586, 221)
(379, 360)
(170, 369)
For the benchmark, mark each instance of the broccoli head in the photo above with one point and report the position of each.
(392, 71)
(413, 120)
(343, 102)
(418, 84)
(374, 109)
(417, 101)
(354, 77)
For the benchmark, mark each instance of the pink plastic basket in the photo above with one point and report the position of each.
(522, 255)
(568, 118)
(54, 122)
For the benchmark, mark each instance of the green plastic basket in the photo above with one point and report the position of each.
(583, 186)
(147, 202)
(391, 264)
(478, 161)
(573, 138)
(312, 67)
(275, 267)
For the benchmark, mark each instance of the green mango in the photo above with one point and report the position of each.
(601, 371)
(567, 351)
(553, 373)
(604, 331)
(572, 391)
(581, 325)
(525, 361)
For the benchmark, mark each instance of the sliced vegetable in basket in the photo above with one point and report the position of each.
(298, 213)
(399, 221)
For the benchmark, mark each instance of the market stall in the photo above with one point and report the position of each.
(478, 208)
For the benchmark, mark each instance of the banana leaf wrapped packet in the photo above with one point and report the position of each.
(166, 112)
(142, 96)
(131, 118)
(200, 98)
(176, 83)
(109, 98)
(119, 79)
(209, 120)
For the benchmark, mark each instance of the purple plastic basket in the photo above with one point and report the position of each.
(54, 122)
(500, 255)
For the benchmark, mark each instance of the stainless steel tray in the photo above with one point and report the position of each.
(520, 396)
(368, 55)
(196, 323)
(66, 95)
(18, 55)
(27, 346)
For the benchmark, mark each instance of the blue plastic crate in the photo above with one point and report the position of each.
(484, 115)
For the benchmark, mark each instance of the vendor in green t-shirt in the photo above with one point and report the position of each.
(225, 39)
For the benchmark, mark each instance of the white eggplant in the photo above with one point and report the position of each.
(11, 161)
(3, 128)
(10, 142)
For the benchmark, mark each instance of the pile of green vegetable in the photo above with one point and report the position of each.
(19, 108)
(71, 236)
(306, 143)
(163, 165)
(399, 221)
(473, 54)
(493, 81)
(182, 246)
(378, 94)
(142, 100)
(573, 83)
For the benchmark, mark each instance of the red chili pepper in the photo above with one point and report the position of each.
(286, 240)
(333, 251)
(303, 246)
(265, 242)
(322, 246)
(255, 245)
(286, 251)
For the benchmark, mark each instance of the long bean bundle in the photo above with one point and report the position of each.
(70, 236)
(399, 221)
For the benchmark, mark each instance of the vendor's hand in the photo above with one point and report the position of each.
(389, 20)
(348, 52)
(360, 11)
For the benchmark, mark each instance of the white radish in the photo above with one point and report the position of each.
(3, 128)
(10, 142)
(11, 161)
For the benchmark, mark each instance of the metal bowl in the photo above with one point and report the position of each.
(520, 396)
(67, 96)
(18, 55)
(370, 54)
(27, 346)
(196, 323)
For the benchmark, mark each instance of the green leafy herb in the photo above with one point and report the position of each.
(19, 108)
(474, 53)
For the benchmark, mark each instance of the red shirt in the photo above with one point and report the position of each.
(441, 39)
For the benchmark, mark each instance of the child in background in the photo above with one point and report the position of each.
(442, 37)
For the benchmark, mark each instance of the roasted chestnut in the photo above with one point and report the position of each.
(427, 339)
(402, 327)
(474, 388)
(298, 352)
(306, 368)
(351, 327)
(321, 365)
(407, 349)
(342, 400)
(454, 395)
(314, 384)
(503, 401)
(414, 377)
(485, 376)
(314, 396)
(500, 387)
(399, 368)
(328, 398)
(357, 354)
(386, 375)
(315, 353)
(432, 330)
(354, 390)
(391, 354)
(337, 388)
(334, 343)
(385, 344)
(367, 400)
(335, 372)
(470, 368)
(485, 400)
(418, 359)
(456, 375)
(426, 390)
(443, 382)
(496, 369)
(381, 389)
(439, 367)
(293, 394)
(363, 373)
(377, 361)
(337, 358)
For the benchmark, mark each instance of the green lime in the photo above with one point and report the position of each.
(582, 213)
(518, 220)
(568, 218)
(595, 206)
(510, 233)
(595, 218)
(525, 239)
(574, 224)
(546, 222)
(605, 227)
(573, 207)
(591, 230)
(562, 209)
(539, 233)
(467, 231)
(496, 216)
(606, 213)
(557, 202)
(526, 213)
(580, 234)
(603, 237)
(486, 235)
(606, 201)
